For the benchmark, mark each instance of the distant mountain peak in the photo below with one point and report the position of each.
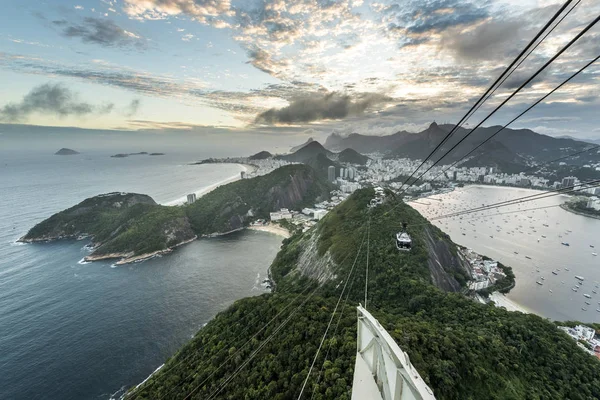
(296, 148)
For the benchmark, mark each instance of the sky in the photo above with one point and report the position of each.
(307, 67)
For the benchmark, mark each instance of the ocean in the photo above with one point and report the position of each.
(537, 234)
(89, 331)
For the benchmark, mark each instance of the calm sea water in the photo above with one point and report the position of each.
(72, 331)
(538, 234)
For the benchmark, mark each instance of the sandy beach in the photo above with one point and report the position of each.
(275, 229)
(503, 301)
(204, 190)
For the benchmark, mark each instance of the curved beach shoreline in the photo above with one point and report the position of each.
(206, 189)
(275, 229)
(501, 300)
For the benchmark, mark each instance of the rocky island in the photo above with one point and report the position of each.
(141, 153)
(132, 227)
(66, 152)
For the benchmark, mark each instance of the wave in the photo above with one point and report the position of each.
(136, 386)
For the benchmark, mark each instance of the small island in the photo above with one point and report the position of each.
(66, 152)
(141, 153)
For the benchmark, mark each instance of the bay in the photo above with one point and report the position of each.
(89, 331)
(537, 234)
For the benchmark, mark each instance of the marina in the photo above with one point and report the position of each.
(548, 249)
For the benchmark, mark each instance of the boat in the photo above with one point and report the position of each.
(543, 278)
(550, 290)
(598, 309)
(587, 295)
(595, 292)
(529, 258)
(579, 277)
(544, 236)
(555, 273)
(574, 289)
(566, 269)
(539, 283)
(592, 246)
(594, 254)
(588, 303)
(516, 252)
(584, 309)
(565, 243)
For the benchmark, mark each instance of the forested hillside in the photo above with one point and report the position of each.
(463, 349)
(129, 225)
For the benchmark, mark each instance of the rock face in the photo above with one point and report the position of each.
(66, 152)
(443, 263)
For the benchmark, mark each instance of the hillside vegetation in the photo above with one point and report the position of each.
(128, 225)
(464, 350)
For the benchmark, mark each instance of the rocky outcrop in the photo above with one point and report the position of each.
(66, 152)
(443, 263)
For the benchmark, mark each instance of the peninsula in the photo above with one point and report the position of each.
(132, 227)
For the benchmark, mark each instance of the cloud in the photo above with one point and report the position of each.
(205, 11)
(51, 99)
(320, 106)
(491, 39)
(133, 107)
(102, 32)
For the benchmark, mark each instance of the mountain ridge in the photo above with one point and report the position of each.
(525, 145)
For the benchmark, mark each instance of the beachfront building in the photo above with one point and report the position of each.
(283, 213)
(191, 198)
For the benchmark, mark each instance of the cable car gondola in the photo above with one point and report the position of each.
(403, 240)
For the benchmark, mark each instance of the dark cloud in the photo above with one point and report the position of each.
(517, 78)
(133, 107)
(487, 41)
(52, 100)
(263, 61)
(319, 106)
(414, 20)
(102, 32)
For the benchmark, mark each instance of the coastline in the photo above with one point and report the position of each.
(128, 258)
(274, 229)
(207, 189)
(565, 207)
(501, 300)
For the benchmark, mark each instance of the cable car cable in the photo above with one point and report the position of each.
(489, 90)
(531, 78)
